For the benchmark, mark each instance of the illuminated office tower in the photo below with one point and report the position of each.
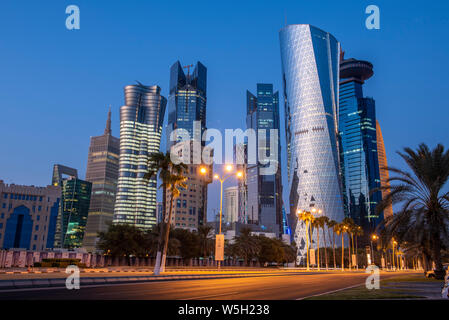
(187, 101)
(357, 132)
(140, 134)
(310, 61)
(187, 111)
(102, 172)
(74, 207)
(383, 171)
(264, 202)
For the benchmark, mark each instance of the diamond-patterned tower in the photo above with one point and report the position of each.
(310, 71)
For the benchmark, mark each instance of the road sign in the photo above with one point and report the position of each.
(219, 247)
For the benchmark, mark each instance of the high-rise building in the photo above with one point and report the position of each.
(310, 65)
(190, 207)
(28, 216)
(187, 101)
(102, 172)
(141, 121)
(74, 207)
(264, 191)
(240, 150)
(187, 111)
(357, 133)
(383, 171)
(231, 204)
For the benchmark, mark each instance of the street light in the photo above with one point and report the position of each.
(229, 168)
(374, 237)
(394, 243)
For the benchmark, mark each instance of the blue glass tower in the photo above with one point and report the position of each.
(264, 204)
(187, 100)
(357, 132)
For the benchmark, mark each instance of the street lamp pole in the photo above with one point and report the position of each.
(222, 179)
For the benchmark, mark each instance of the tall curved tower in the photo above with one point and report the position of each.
(140, 135)
(310, 72)
(383, 168)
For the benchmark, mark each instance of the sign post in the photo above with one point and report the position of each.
(219, 247)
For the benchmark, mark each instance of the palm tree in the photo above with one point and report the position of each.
(162, 163)
(331, 228)
(205, 240)
(424, 214)
(319, 223)
(340, 230)
(174, 183)
(307, 218)
(357, 231)
(348, 226)
(246, 245)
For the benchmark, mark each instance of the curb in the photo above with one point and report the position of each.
(12, 285)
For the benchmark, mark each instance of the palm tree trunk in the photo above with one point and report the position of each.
(349, 251)
(157, 264)
(318, 239)
(356, 253)
(342, 252)
(325, 250)
(167, 234)
(436, 257)
(333, 246)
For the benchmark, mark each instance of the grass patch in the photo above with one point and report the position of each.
(411, 278)
(362, 293)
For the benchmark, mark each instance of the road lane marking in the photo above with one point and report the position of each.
(210, 296)
(333, 291)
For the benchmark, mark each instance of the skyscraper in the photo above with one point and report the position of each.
(231, 204)
(357, 132)
(187, 110)
(383, 171)
(264, 203)
(73, 209)
(102, 172)
(187, 100)
(141, 121)
(310, 64)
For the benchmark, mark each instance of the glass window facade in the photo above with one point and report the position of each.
(310, 61)
(264, 193)
(357, 133)
(141, 121)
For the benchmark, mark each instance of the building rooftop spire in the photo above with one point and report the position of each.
(107, 130)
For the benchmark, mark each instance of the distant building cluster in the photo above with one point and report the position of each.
(334, 145)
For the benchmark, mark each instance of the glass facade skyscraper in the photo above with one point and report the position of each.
(187, 110)
(383, 168)
(357, 132)
(187, 100)
(310, 73)
(141, 121)
(264, 192)
(102, 172)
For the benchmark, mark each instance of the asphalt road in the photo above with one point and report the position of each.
(282, 286)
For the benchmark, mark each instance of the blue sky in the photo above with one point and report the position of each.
(56, 85)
